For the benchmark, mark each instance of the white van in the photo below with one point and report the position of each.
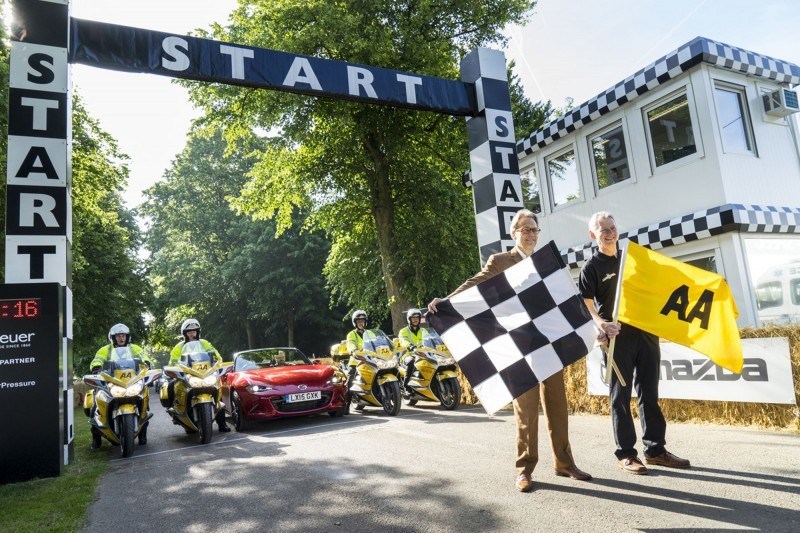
(778, 294)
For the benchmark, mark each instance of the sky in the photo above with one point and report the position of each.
(569, 49)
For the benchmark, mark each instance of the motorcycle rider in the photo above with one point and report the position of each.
(190, 330)
(120, 337)
(355, 341)
(411, 335)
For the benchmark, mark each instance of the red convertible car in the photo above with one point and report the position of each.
(270, 383)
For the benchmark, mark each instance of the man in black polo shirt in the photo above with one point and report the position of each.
(634, 349)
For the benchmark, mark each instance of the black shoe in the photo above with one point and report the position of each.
(223, 428)
(143, 438)
(96, 441)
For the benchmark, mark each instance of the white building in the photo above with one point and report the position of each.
(698, 156)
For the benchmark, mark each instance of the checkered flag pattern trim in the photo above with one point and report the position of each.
(668, 67)
(516, 329)
(699, 225)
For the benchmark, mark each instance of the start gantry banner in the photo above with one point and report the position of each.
(129, 49)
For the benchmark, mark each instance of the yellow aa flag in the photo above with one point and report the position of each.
(680, 303)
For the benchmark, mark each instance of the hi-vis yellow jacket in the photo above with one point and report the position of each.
(175, 354)
(406, 337)
(105, 354)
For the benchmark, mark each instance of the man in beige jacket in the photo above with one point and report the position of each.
(525, 232)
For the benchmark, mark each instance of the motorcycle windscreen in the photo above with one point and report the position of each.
(115, 365)
(376, 341)
(431, 339)
(198, 360)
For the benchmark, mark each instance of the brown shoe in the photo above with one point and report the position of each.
(574, 472)
(632, 465)
(524, 483)
(667, 459)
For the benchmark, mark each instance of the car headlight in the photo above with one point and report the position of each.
(134, 390)
(258, 388)
(195, 382)
(335, 379)
(117, 391)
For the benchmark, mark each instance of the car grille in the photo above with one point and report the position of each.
(283, 407)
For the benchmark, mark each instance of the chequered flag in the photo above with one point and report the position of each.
(516, 329)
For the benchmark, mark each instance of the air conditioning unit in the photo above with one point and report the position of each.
(781, 103)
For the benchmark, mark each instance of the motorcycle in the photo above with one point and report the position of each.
(192, 394)
(117, 403)
(434, 376)
(376, 381)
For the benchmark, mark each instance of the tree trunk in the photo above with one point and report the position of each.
(252, 336)
(383, 213)
(290, 327)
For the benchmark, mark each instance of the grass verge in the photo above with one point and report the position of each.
(56, 504)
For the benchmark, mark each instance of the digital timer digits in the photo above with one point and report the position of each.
(19, 308)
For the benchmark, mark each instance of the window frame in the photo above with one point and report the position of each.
(551, 196)
(703, 254)
(528, 168)
(741, 92)
(593, 166)
(683, 90)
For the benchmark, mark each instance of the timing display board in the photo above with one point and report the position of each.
(31, 392)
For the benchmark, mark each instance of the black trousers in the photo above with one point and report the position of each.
(637, 350)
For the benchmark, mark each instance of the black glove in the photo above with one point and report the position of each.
(96, 370)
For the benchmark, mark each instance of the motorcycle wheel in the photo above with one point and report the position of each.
(450, 393)
(127, 441)
(240, 423)
(204, 422)
(390, 398)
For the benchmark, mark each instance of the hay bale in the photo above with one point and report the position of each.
(766, 416)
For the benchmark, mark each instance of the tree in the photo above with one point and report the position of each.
(247, 287)
(383, 183)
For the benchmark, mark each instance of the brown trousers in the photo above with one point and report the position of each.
(526, 412)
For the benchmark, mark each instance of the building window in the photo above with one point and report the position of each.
(531, 198)
(671, 131)
(732, 113)
(563, 178)
(610, 158)
(708, 263)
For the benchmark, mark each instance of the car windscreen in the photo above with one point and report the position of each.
(270, 357)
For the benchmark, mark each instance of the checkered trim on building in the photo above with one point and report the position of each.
(700, 225)
(668, 67)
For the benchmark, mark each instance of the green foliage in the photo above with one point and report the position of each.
(247, 286)
(384, 183)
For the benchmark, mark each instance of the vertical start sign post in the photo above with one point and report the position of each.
(36, 301)
(44, 41)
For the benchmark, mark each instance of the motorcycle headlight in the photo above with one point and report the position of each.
(444, 361)
(258, 388)
(195, 382)
(117, 391)
(134, 390)
(210, 381)
(386, 364)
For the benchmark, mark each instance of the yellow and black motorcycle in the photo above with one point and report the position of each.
(118, 400)
(192, 392)
(376, 381)
(434, 377)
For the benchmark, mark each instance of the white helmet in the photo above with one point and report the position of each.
(360, 313)
(116, 329)
(190, 324)
(413, 312)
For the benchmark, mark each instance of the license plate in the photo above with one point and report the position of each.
(303, 396)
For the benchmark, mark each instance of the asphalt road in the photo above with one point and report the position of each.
(433, 470)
